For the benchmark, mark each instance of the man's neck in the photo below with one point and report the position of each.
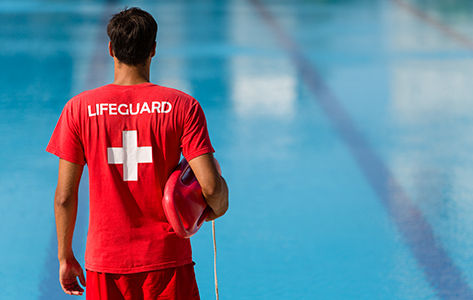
(130, 75)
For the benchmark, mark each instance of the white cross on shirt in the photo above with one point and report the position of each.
(130, 155)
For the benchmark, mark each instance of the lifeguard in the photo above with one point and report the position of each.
(132, 251)
(125, 109)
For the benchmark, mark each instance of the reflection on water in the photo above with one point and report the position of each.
(263, 87)
(429, 91)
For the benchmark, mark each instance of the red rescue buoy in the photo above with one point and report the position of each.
(183, 203)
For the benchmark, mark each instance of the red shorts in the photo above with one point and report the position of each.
(172, 283)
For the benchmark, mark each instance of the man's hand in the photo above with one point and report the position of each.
(69, 269)
(65, 210)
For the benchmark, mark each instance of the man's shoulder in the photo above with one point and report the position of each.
(175, 92)
(84, 95)
(180, 98)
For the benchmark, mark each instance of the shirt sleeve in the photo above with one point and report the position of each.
(195, 139)
(65, 141)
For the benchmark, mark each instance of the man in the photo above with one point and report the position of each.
(131, 134)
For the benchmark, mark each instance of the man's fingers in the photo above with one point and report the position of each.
(68, 273)
(73, 290)
(73, 285)
(74, 293)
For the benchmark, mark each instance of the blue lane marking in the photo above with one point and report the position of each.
(440, 271)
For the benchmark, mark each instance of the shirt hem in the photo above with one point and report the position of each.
(62, 155)
(138, 269)
(199, 153)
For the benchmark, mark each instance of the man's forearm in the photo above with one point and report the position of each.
(65, 211)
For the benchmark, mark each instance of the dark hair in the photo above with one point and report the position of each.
(132, 33)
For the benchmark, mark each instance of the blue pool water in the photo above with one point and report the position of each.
(342, 128)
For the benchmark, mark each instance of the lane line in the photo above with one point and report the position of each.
(440, 271)
(460, 38)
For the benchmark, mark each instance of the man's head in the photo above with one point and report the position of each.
(132, 34)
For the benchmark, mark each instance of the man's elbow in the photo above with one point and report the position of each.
(218, 211)
(210, 191)
(62, 199)
(214, 188)
(216, 196)
(223, 209)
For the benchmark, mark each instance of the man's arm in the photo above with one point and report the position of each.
(214, 187)
(65, 210)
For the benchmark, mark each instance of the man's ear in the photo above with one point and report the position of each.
(153, 51)
(110, 50)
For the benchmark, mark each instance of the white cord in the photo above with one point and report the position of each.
(215, 259)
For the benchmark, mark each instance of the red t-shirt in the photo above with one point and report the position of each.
(131, 137)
